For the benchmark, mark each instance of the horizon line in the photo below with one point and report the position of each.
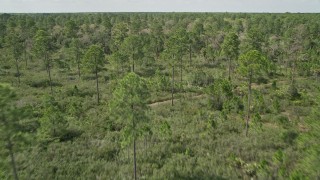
(234, 12)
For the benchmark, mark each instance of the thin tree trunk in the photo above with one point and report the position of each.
(229, 69)
(134, 147)
(292, 73)
(181, 71)
(134, 158)
(190, 54)
(13, 162)
(25, 57)
(207, 43)
(78, 62)
(145, 146)
(18, 72)
(132, 62)
(50, 80)
(97, 81)
(46, 62)
(287, 65)
(172, 85)
(157, 53)
(249, 101)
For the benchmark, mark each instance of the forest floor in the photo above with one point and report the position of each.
(168, 101)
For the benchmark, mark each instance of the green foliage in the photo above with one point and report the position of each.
(119, 61)
(252, 61)
(202, 79)
(71, 137)
(129, 104)
(276, 105)
(176, 46)
(15, 42)
(53, 124)
(119, 33)
(282, 120)
(220, 91)
(255, 38)
(132, 46)
(11, 127)
(212, 121)
(258, 102)
(76, 49)
(42, 83)
(249, 169)
(293, 92)
(257, 123)
(71, 28)
(289, 136)
(279, 159)
(308, 143)
(161, 82)
(131, 49)
(230, 46)
(165, 130)
(11, 114)
(94, 58)
(41, 44)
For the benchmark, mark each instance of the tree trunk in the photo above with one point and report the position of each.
(47, 65)
(145, 146)
(97, 81)
(49, 74)
(25, 57)
(78, 62)
(190, 54)
(181, 71)
(30, 57)
(134, 158)
(18, 72)
(134, 147)
(229, 69)
(13, 162)
(172, 85)
(132, 62)
(292, 73)
(249, 101)
(46, 62)
(157, 53)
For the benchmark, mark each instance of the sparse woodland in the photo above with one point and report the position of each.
(159, 96)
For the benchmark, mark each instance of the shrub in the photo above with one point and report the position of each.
(262, 80)
(43, 83)
(293, 93)
(200, 78)
(282, 120)
(289, 136)
(276, 105)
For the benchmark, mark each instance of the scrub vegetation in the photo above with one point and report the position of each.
(159, 96)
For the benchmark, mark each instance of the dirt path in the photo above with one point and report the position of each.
(154, 104)
(254, 85)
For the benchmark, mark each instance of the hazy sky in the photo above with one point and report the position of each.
(160, 6)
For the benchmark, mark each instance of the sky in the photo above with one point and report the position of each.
(40, 6)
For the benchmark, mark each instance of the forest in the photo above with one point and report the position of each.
(160, 96)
